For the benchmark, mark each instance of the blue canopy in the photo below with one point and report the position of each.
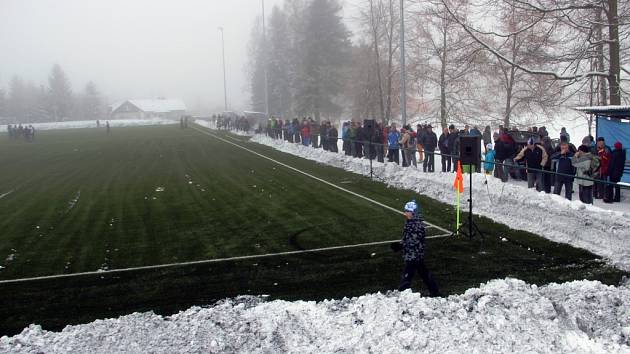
(613, 124)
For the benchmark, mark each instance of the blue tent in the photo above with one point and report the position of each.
(613, 124)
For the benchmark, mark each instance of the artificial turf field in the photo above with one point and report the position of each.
(80, 200)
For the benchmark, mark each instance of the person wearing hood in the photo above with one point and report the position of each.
(413, 250)
(488, 165)
(582, 161)
(615, 170)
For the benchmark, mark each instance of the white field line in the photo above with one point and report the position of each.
(206, 261)
(217, 260)
(446, 232)
(7, 193)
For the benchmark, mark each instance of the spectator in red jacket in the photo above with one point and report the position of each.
(603, 152)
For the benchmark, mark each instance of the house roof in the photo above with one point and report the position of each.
(154, 105)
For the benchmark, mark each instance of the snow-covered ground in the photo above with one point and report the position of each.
(502, 316)
(603, 232)
(82, 124)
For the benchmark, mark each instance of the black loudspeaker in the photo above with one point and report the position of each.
(369, 125)
(470, 150)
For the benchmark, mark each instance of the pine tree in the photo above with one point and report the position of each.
(60, 105)
(91, 103)
(325, 54)
(279, 53)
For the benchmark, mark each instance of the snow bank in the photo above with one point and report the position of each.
(211, 125)
(500, 316)
(603, 232)
(81, 124)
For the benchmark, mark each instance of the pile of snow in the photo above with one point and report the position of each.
(603, 232)
(500, 316)
(82, 124)
(213, 125)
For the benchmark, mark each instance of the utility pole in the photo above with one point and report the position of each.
(264, 48)
(403, 85)
(224, 79)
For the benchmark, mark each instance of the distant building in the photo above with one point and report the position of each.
(148, 108)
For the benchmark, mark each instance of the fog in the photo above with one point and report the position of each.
(132, 49)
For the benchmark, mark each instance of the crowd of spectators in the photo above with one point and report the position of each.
(547, 165)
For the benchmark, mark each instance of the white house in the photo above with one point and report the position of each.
(148, 108)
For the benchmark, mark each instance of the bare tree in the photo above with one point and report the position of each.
(575, 20)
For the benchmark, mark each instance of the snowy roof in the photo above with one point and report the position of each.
(602, 109)
(155, 105)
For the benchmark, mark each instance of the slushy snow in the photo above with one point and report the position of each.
(502, 316)
(603, 232)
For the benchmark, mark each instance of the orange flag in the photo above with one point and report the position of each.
(459, 179)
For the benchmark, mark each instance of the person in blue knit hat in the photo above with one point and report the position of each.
(413, 246)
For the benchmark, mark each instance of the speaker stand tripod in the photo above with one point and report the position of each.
(470, 224)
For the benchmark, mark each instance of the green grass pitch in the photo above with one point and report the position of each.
(81, 200)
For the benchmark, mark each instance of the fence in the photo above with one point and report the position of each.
(375, 154)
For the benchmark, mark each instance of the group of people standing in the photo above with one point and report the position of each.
(549, 168)
(19, 131)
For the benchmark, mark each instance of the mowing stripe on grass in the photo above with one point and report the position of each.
(207, 261)
(217, 260)
(446, 232)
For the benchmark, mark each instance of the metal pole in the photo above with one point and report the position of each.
(403, 86)
(224, 79)
(264, 48)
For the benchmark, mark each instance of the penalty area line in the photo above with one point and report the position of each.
(202, 262)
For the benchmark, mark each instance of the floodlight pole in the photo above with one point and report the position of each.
(403, 86)
(264, 55)
(224, 79)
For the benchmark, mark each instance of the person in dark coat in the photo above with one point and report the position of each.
(615, 170)
(360, 139)
(333, 136)
(413, 247)
(378, 142)
(535, 158)
(487, 137)
(562, 163)
(443, 146)
(429, 141)
(453, 147)
(323, 138)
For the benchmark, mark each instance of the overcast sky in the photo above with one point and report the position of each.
(133, 48)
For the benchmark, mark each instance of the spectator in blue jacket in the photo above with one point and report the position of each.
(393, 148)
(562, 162)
